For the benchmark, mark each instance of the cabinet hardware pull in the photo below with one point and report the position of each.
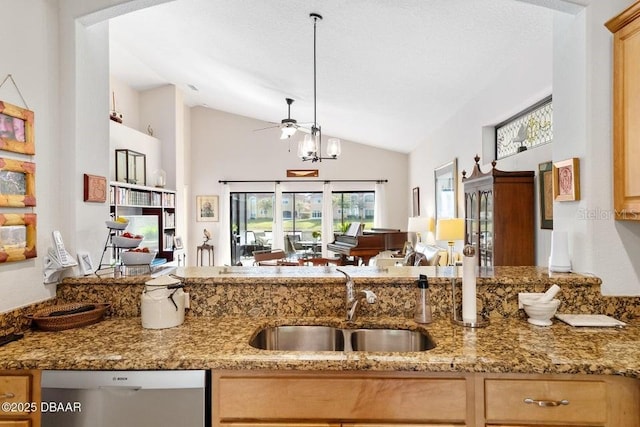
(7, 395)
(546, 402)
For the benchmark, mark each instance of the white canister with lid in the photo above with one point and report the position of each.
(163, 303)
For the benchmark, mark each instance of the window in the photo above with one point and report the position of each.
(527, 129)
(351, 207)
(306, 216)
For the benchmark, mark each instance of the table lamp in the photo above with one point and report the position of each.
(450, 229)
(418, 225)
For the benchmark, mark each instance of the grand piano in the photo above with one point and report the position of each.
(365, 245)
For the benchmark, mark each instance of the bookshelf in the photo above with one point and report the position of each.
(130, 199)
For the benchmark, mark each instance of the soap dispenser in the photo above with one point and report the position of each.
(423, 308)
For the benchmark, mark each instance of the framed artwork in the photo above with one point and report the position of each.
(17, 183)
(416, 201)
(446, 190)
(95, 188)
(177, 242)
(16, 129)
(17, 237)
(566, 180)
(302, 173)
(207, 208)
(545, 185)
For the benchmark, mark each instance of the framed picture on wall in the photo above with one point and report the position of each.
(17, 236)
(16, 129)
(446, 185)
(17, 183)
(566, 180)
(416, 202)
(95, 188)
(545, 183)
(207, 208)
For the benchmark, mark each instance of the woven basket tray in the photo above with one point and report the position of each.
(43, 320)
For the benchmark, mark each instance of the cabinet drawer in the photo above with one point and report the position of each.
(15, 388)
(16, 423)
(505, 400)
(338, 398)
(292, 424)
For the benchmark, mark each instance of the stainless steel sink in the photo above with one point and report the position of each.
(327, 338)
(390, 340)
(299, 338)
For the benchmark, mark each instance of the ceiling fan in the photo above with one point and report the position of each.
(288, 126)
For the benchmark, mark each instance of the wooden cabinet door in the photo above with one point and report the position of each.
(626, 109)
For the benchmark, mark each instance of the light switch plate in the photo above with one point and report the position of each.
(524, 295)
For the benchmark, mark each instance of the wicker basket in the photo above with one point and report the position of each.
(43, 320)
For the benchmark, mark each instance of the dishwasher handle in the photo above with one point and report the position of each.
(119, 388)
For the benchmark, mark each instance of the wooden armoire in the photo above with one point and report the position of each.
(500, 215)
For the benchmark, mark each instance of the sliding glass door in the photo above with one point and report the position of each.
(252, 221)
(251, 224)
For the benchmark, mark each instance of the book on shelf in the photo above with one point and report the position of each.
(168, 241)
(169, 220)
(169, 200)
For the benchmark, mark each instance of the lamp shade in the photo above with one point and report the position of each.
(450, 229)
(287, 132)
(333, 147)
(420, 224)
(307, 146)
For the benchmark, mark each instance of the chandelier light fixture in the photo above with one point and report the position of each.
(310, 148)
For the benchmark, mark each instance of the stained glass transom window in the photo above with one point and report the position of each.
(528, 129)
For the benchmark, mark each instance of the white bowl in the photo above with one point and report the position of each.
(115, 225)
(125, 242)
(137, 258)
(540, 314)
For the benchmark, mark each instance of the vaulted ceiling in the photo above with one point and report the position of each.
(389, 72)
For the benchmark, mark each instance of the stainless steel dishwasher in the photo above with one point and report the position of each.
(125, 398)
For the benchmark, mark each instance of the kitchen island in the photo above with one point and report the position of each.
(230, 304)
(229, 307)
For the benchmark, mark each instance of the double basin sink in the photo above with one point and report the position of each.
(328, 338)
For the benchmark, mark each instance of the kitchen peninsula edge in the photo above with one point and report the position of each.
(227, 309)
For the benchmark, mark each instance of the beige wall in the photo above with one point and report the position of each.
(224, 146)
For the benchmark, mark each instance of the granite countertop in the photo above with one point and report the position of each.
(401, 274)
(506, 345)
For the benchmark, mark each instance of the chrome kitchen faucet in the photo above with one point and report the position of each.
(352, 299)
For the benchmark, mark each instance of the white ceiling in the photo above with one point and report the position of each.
(389, 72)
